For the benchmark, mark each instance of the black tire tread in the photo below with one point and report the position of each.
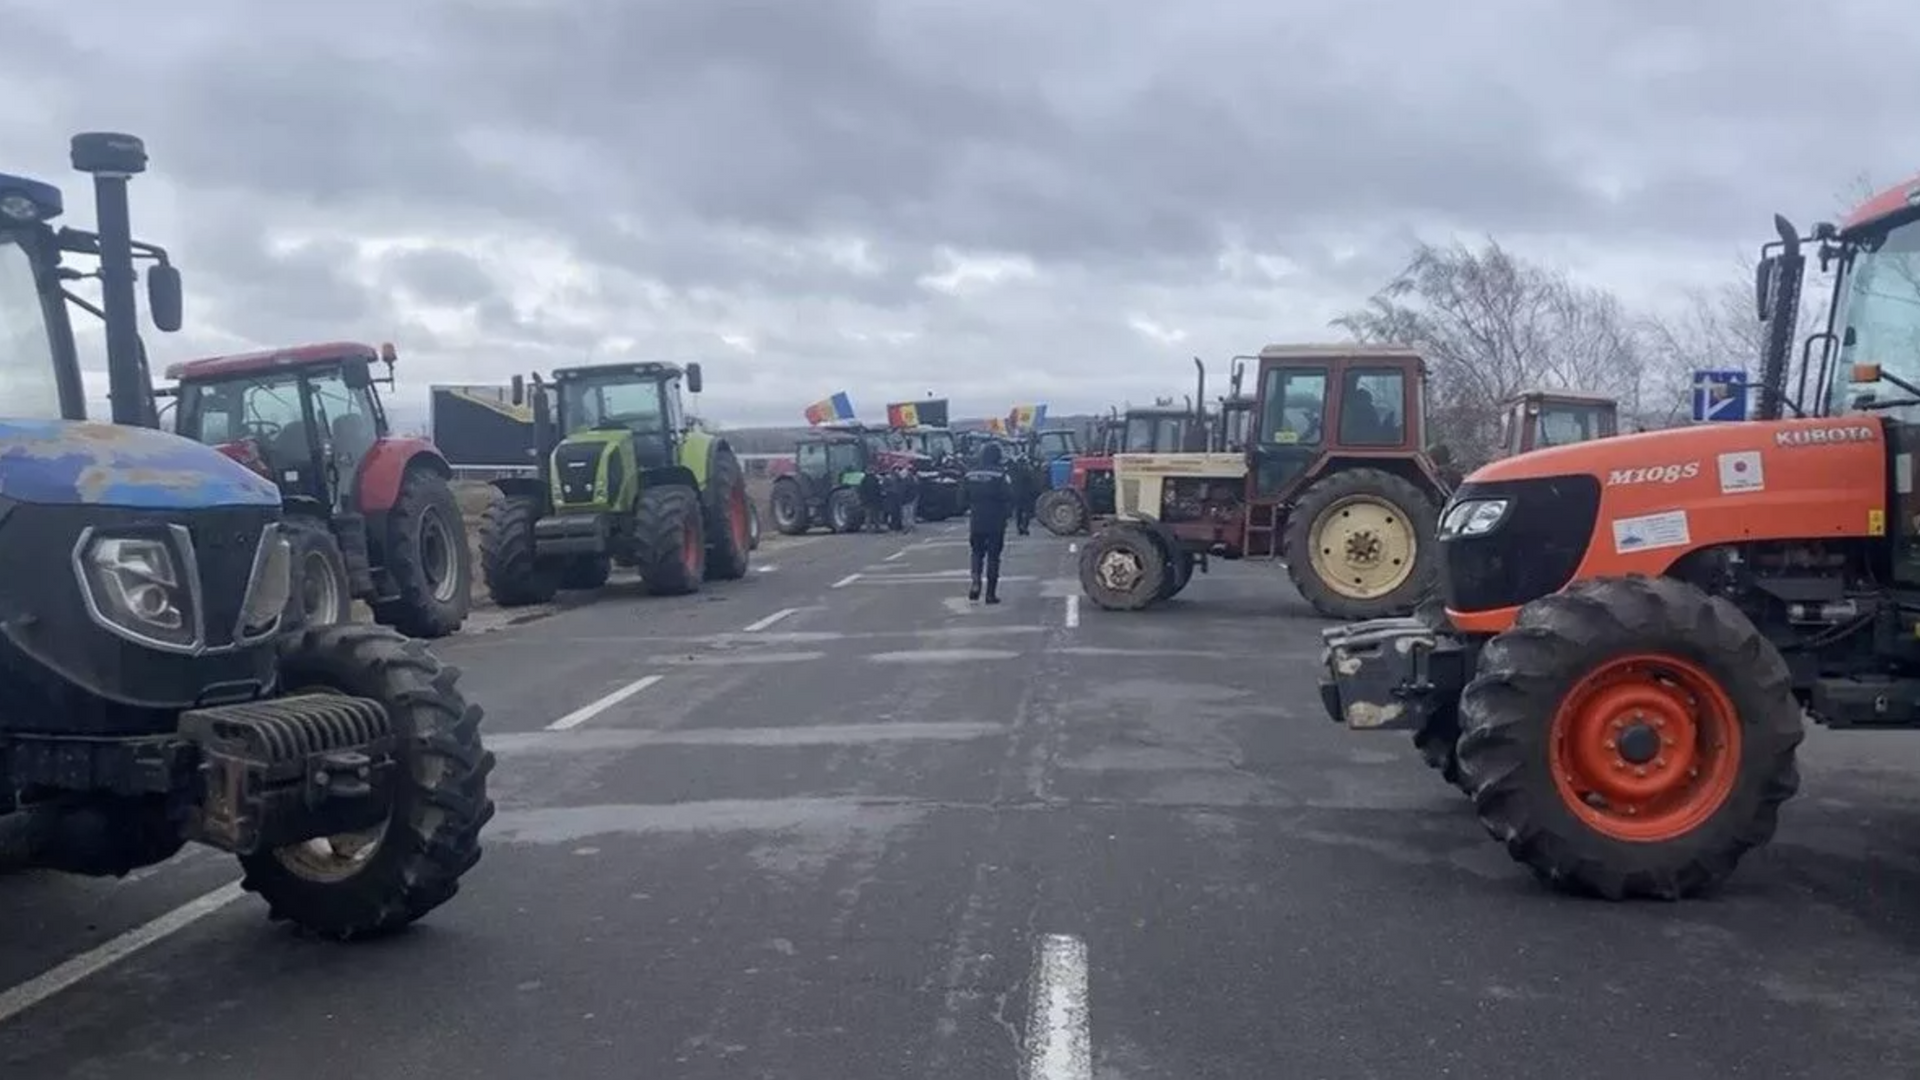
(1506, 712)
(1061, 497)
(661, 518)
(802, 520)
(1154, 559)
(727, 555)
(515, 578)
(303, 534)
(416, 612)
(443, 804)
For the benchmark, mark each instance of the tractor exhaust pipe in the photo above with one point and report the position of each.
(1780, 277)
(112, 160)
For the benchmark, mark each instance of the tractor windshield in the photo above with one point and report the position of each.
(846, 457)
(1880, 311)
(29, 387)
(1055, 444)
(611, 402)
(934, 444)
(1155, 434)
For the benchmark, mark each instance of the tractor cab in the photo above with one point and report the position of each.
(936, 444)
(371, 516)
(1155, 429)
(306, 418)
(1536, 419)
(638, 404)
(1054, 443)
(821, 484)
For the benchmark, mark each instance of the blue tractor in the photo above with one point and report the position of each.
(158, 684)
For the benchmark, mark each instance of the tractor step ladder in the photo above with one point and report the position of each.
(1264, 522)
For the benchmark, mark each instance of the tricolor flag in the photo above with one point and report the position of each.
(837, 407)
(997, 426)
(1026, 417)
(903, 414)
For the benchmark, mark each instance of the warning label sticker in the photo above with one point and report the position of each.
(1649, 532)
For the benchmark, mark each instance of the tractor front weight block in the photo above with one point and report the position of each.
(571, 534)
(1391, 674)
(290, 769)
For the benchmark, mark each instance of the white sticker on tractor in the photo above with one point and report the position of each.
(1651, 531)
(1742, 471)
(1654, 474)
(1903, 474)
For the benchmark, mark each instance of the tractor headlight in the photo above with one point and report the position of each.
(1473, 517)
(268, 589)
(135, 586)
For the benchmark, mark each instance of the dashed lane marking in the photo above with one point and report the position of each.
(1073, 611)
(1059, 1038)
(896, 554)
(845, 581)
(594, 708)
(762, 624)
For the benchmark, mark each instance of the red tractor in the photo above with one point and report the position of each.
(820, 484)
(371, 516)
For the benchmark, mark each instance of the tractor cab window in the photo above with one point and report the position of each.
(846, 457)
(612, 403)
(937, 444)
(1881, 316)
(28, 385)
(1296, 407)
(1154, 434)
(1053, 444)
(1372, 407)
(344, 417)
(880, 442)
(1235, 418)
(811, 457)
(1566, 423)
(265, 409)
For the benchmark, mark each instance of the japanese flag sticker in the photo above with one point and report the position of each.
(1741, 471)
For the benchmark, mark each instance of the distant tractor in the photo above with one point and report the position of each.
(1333, 481)
(934, 456)
(370, 516)
(624, 477)
(1088, 492)
(1536, 419)
(820, 484)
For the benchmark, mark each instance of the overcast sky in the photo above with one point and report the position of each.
(1058, 201)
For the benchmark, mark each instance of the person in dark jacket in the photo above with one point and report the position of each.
(990, 503)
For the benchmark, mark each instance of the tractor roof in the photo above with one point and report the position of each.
(1577, 397)
(225, 367)
(1341, 350)
(1901, 200)
(1157, 410)
(646, 369)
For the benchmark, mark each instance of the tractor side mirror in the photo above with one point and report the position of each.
(1763, 285)
(356, 375)
(164, 300)
(693, 378)
(519, 390)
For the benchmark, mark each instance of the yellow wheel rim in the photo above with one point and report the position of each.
(1363, 547)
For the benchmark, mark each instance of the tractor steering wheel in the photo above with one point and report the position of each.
(263, 430)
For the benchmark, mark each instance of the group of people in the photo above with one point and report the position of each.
(889, 500)
(997, 493)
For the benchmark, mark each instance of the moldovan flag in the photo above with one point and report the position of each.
(837, 407)
(903, 414)
(1026, 417)
(997, 426)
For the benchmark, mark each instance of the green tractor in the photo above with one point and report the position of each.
(623, 477)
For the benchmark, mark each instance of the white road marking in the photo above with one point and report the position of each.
(594, 708)
(845, 581)
(767, 569)
(1073, 547)
(43, 986)
(762, 624)
(1059, 1042)
(896, 554)
(1073, 611)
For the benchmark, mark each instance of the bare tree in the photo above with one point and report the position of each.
(1493, 324)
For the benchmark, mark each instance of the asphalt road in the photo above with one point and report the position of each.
(887, 834)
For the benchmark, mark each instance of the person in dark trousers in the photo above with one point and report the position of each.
(872, 503)
(893, 492)
(990, 502)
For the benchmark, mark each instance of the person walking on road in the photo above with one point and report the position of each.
(1025, 493)
(990, 502)
(909, 495)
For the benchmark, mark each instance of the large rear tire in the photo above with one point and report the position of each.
(789, 505)
(360, 886)
(1061, 512)
(1630, 737)
(515, 578)
(844, 512)
(729, 518)
(427, 558)
(1123, 568)
(1360, 545)
(672, 551)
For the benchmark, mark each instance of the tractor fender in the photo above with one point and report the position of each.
(669, 474)
(387, 463)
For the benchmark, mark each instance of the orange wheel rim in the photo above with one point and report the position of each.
(1645, 748)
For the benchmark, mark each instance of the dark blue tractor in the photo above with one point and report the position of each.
(158, 685)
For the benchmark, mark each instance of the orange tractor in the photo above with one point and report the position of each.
(1636, 628)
